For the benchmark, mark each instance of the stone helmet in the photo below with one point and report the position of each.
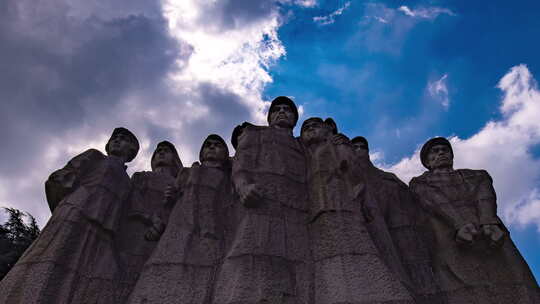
(430, 143)
(214, 137)
(283, 100)
(132, 138)
(178, 162)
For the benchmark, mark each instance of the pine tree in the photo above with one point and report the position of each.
(15, 237)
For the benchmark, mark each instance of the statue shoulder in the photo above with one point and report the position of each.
(389, 176)
(419, 180)
(470, 173)
(140, 176)
(241, 130)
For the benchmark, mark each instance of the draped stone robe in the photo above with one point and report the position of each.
(476, 274)
(348, 268)
(396, 233)
(183, 266)
(74, 260)
(267, 260)
(145, 201)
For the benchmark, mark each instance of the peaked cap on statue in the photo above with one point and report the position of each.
(361, 139)
(430, 143)
(214, 137)
(328, 122)
(169, 145)
(132, 138)
(283, 100)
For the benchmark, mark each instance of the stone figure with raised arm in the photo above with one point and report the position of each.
(475, 261)
(74, 259)
(146, 212)
(183, 266)
(344, 254)
(267, 260)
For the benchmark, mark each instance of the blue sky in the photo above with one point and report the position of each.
(396, 72)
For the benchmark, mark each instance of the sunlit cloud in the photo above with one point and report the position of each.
(503, 148)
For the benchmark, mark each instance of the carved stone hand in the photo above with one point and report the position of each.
(495, 235)
(466, 234)
(156, 229)
(250, 194)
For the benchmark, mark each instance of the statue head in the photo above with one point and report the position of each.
(315, 130)
(214, 149)
(437, 153)
(123, 144)
(282, 113)
(165, 155)
(360, 146)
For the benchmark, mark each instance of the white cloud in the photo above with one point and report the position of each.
(425, 12)
(329, 19)
(503, 148)
(306, 3)
(224, 52)
(439, 90)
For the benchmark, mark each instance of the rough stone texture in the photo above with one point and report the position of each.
(266, 260)
(287, 220)
(477, 270)
(348, 266)
(73, 260)
(145, 203)
(185, 260)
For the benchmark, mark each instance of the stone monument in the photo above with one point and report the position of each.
(475, 261)
(74, 260)
(286, 220)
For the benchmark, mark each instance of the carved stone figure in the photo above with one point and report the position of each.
(145, 212)
(393, 226)
(267, 260)
(345, 257)
(73, 260)
(475, 261)
(184, 264)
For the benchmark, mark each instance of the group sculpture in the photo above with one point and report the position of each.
(286, 220)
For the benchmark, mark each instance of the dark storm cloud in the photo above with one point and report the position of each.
(70, 72)
(231, 14)
(58, 71)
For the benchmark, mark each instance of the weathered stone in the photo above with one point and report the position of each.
(74, 259)
(184, 264)
(475, 261)
(348, 266)
(145, 206)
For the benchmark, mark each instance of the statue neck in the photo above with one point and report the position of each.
(287, 128)
(168, 170)
(442, 170)
(213, 163)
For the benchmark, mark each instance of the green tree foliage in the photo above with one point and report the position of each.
(15, 237)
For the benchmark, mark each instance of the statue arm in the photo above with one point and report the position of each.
(63, 181)
(487, 202)
(425, 197)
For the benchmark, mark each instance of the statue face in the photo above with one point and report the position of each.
(163, 157)
(440, 156)
(120, 145)
(214, 150)
(314, 131)
(360, 148)
(282, 115)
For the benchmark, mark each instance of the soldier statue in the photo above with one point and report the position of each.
(474, 259)
(268, 259)
(344, 254)
(74, 259)
(146, 212)
(185, 262)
